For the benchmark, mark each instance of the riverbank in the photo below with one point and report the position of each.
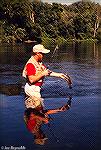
(61, 41)
(49, 42)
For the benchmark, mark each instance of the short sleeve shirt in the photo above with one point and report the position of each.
(30, 69)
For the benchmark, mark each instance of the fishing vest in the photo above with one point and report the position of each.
(38, 68)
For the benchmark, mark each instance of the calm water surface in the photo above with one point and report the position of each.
(76, 129)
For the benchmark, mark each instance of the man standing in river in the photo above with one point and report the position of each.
(34, 72)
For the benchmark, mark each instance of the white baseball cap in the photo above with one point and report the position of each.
(39, 48)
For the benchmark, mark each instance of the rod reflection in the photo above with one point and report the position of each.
(35, 117)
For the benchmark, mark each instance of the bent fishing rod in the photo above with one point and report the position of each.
(65, 76)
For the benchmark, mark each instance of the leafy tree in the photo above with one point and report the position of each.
(33, 19)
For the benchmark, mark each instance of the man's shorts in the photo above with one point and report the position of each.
(33, 98)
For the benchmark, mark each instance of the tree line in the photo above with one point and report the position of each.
(22, 20)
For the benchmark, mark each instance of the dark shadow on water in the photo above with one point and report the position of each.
(10, 89)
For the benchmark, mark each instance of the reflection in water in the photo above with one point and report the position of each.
(83, 61)
(35, 117)
(10, 89)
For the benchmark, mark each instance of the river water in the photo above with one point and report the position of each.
(76, 129)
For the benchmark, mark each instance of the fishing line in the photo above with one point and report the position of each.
(53, 56)
(64, 108)
(53, 134)
(53, 59)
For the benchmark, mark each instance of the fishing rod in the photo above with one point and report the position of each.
(65, 76)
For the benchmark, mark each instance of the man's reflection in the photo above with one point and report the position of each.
(35, 117)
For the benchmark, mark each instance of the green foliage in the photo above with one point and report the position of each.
(49, 42)
(52, 22)
(19, 34)
(60, 41)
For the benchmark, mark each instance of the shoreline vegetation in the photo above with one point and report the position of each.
(34, 21)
